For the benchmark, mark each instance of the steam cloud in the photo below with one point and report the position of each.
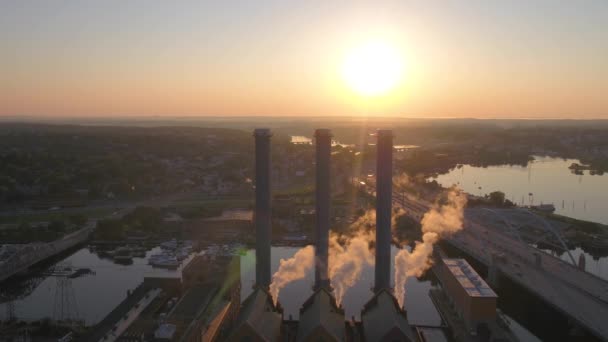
(348, 255)
(440, 221)
(291, 269)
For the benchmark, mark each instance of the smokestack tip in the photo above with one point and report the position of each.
(323, 132)
(262, 132)
(385, 133)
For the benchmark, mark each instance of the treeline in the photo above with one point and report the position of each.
(141, 221)
(26, 232)
(59, 162)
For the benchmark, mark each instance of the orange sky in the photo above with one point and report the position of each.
(483, 59)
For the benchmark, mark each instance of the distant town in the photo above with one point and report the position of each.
(176, 205)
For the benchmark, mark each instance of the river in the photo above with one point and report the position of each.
(549, 181)
(94, 295)
(97, 294)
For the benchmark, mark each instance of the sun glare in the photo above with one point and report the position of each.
(372, 69)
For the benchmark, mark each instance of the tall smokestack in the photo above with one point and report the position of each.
(384, 193)
(262, 207)
(322, 203)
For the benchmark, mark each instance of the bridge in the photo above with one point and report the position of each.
(30, 254)
(579, 295)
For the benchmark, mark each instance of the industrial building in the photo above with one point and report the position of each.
(382, 318)
(200, 305)
(321, 319)
(260, 319)
(469, 294)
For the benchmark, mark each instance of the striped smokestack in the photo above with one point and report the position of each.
(322, 207)
(262, 207)
(384, 193)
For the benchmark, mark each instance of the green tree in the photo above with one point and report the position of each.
(78, 220)
(497, 198)
(56, 226)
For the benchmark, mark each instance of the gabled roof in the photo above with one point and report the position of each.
(382, 318)
(320, 315)
(260, 316)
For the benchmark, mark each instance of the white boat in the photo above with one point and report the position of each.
(158, 257)
(165, 262)
(547, 208)
(172, 244)
(182, 254)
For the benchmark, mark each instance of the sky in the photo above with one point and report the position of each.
(476, 58)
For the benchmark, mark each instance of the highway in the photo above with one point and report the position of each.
(34, 253)
(581, 296)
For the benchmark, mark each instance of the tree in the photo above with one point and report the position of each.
(497, 198)
(56, 226)
(109, 230)
(78, 220)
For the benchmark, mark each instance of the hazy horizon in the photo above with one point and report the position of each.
(479, 59)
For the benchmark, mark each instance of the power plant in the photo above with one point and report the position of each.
(322, 207)
(384, 197)
(321, 318)
(260, 319)
(262, 207)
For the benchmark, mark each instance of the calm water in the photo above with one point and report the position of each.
(96, 295)
(419, 306)
(598, 266)
(548, 179)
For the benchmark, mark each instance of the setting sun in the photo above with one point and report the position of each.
(373, 69)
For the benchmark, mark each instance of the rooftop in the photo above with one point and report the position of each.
(383, 319)
(468, 278)
(259, 317)
(321, 313)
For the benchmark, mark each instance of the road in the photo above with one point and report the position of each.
(577, 294)
(33, 253)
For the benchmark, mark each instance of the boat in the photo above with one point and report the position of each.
(165, 262)
(182, 254)
(156, 257)
(171, 244)
(545, 208)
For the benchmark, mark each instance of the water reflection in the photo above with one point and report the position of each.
(418, 303)
(593, 265)
(96, 294)
(546, 180)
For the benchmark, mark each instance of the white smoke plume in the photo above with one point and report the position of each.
(292, 269)
(440, 221)
(347, 259)
(348, 255)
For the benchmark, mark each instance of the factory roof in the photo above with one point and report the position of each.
(473, 284)
(260, 317)
(320, 315)
(384, 320)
